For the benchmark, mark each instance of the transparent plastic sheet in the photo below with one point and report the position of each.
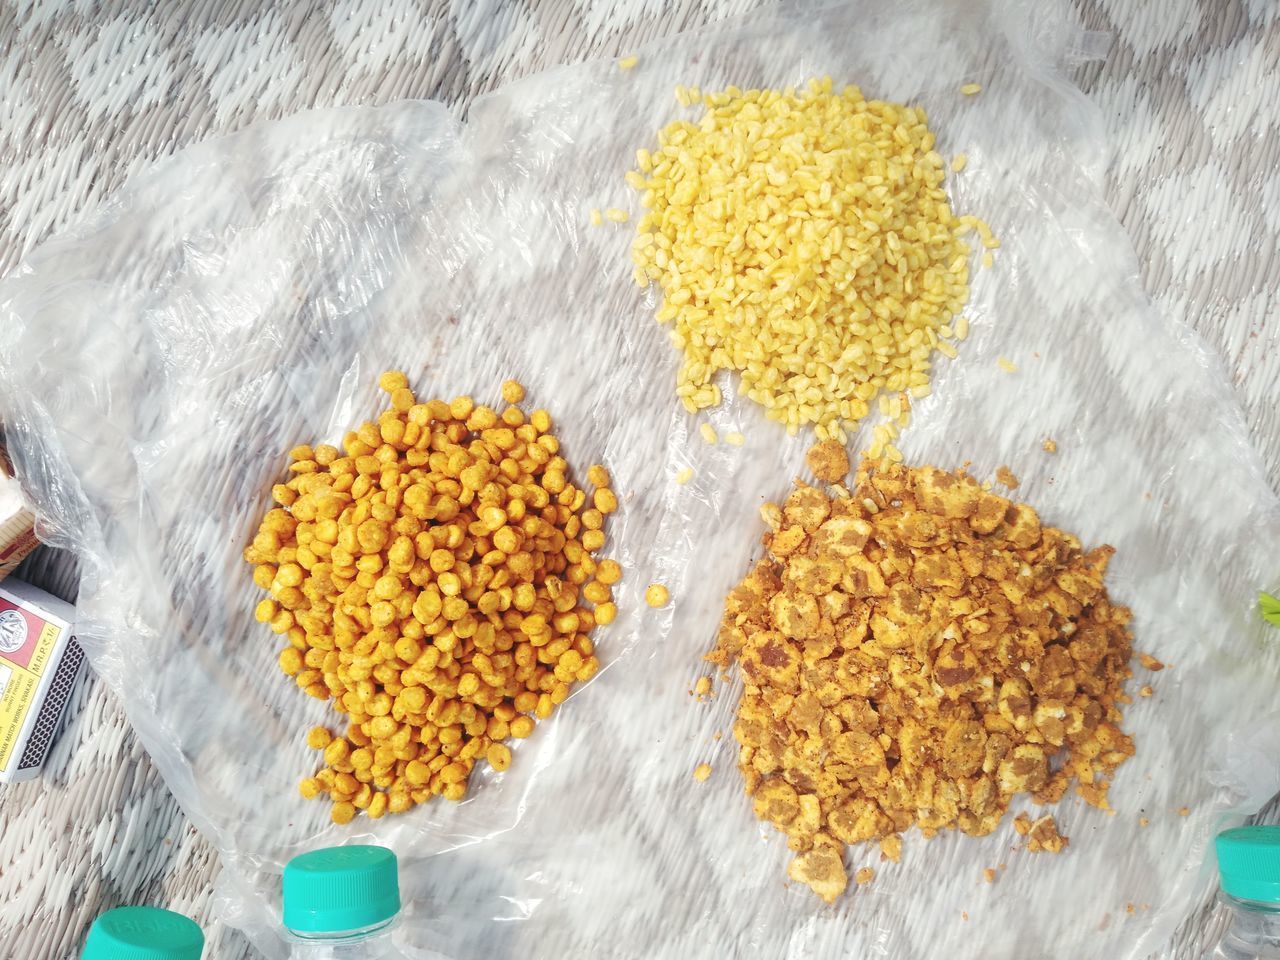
(243, 297)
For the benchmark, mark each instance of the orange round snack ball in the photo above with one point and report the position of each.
(656, 595)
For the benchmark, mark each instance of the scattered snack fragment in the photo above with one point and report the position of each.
(1049, 445)
(802, 238)
(969, 89)
(1006, 479)
(822, 870)
(828, 461)
(1145, 690)
(656, 595)
(684, 475)
(434, 579)
(1150, 663)
(989, 875)
(708, 433)
(959, 162)
(920, 664)
(1144, 822)
(1184, 811)
(597, 218)
(734, 439)
(1007, 365)
(701, 772)
(1043, 837)
(702, 687)
(626, 63)
(864, 875)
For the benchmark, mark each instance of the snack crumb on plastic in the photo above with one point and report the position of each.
(969, 89)
(959, 162)
(626, 63)
(864, 875)
(684, 475)
(701, 772)
(1184, 811)
(989, 875)
(702, 687)
(891, 848)
(1042, 834)
(921, 664)
(1006, 479)
(1049, 445)
(734, 439)
(656, 595)
(596, 217)
(1144, 822)
(828, 461)
(1007, 365)
(708, 433)
(1145, 690)
(1150, 663)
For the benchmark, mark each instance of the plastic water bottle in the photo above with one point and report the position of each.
(341, 903)
(143, 933)
(1249, 867)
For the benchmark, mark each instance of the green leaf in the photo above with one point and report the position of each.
(1269, 607)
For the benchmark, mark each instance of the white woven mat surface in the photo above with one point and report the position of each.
(90, 93)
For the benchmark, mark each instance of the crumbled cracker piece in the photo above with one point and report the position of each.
(989, 875)
(822, 869)
(891, 848)
(684, 475)
(1145, 691)
(921, 664)
(734, 439)
(1050, 445)
(1184, 811)
(864, 875)
(702, 687)
(1043, 837)
(1150, 663)
(1004, 363)
(828, 461)
(1005, 477)
(702, 772)
(1144, 822)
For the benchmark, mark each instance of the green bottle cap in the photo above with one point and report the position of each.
(337, 889)
(1249, 863)
(143, 933)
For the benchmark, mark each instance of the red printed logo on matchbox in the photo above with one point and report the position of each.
(19, 634)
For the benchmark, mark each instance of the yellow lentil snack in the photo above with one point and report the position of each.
(804, 240)
(918, 653)
(435, 581)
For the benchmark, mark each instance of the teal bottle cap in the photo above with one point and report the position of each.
(1249, 863)
(338, 889)
(143, 933)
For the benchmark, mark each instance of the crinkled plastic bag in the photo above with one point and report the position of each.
(243, 296)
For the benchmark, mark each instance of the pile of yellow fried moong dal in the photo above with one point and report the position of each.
(435, 580)
(804, 240)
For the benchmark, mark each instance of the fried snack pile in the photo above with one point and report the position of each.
(436, 582)
(804, 239)
(919, 653)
